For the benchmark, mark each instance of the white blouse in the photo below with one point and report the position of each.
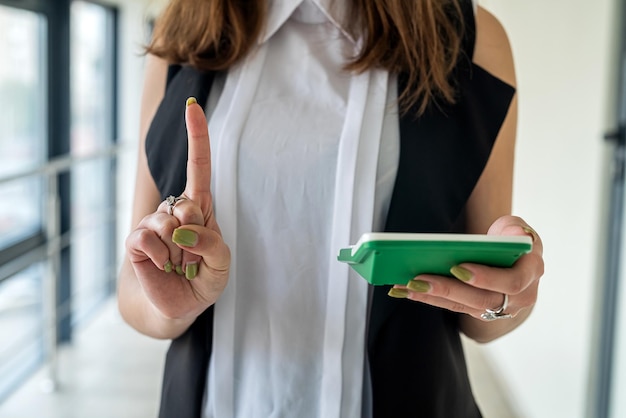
(305, 156)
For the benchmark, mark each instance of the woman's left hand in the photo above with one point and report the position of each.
(478, 288)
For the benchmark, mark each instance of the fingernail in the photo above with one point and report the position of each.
(418, 286)
(461, 273)
(179, 270)
(168, 267)
(185, 237)
(191, 101)
(531, 232)
(191, 270)
(398, 293)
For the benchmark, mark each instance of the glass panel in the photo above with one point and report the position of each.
(21, 322)
(92, 76)
(22, 120)
(92, 263)
(92, 70)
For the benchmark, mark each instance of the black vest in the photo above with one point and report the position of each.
(416, 358)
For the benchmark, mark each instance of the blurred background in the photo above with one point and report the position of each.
(70, 85)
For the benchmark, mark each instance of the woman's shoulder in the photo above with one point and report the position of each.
(493, 49)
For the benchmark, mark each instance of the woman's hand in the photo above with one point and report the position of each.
(478, 288)
(178, 254)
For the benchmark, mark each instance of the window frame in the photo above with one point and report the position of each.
(57, 100)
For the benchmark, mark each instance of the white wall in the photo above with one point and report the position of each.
(564, 51)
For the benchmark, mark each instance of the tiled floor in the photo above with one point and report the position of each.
(110, 371)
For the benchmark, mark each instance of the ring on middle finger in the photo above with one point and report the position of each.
(497, 313)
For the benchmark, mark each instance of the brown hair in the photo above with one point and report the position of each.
(421, 38)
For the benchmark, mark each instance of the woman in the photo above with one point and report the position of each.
(328, 119)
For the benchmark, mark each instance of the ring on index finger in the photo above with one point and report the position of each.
(171, 202)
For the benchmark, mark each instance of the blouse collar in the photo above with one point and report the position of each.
(280, 11)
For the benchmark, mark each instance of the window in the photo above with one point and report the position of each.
(92, 130)
(22, 121)
(57, 127)
(21, 318)
(23, 144)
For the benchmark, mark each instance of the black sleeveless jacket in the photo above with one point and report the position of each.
(416, 358)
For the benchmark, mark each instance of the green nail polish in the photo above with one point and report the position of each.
(418, 286)
(185, 237)
(179, 270)
(191, 101)
(168, 267)
(461, 273)
(191, 270)
(398, 293)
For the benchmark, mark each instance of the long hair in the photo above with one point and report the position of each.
(421, 38)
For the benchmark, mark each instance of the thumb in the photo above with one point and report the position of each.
(205, 242)
(516, 226)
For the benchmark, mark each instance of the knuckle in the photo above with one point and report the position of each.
(528, 298)
(142, 237)
(200, 161)
(516, 285)
(189, 214)
(162, 206)
(458, 307)
(215, 245)
(540, 266)
(165, 229)
(130, 243)
(226, 251)
(525, 276)
(488, 301)
(441, 290)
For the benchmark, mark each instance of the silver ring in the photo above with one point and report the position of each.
(497, 313)
(171, 202)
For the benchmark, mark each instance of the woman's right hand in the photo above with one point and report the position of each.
(178, 254)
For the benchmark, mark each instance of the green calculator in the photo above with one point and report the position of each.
(396, 258)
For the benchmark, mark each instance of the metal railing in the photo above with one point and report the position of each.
(51, 246)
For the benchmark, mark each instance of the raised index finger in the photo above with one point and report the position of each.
(198, 187)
